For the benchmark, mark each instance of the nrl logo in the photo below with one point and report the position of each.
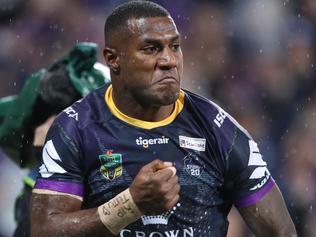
(111, 165)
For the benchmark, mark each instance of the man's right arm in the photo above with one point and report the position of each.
(154, 190)
(60, 215)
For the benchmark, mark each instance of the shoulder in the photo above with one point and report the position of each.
(199, 102)
(86, 110)
(215, 115)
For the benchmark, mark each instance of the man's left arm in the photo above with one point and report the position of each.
(255, 193)
(269, 216)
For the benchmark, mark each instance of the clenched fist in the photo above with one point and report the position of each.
(155, 189)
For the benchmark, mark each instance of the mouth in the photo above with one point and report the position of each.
(168, 79)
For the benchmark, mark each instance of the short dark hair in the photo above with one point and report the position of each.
(129, 10)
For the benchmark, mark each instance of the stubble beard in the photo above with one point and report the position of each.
(159, 98)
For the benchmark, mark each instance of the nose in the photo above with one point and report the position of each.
(167, 59)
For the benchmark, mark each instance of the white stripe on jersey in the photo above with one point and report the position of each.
(50, 167)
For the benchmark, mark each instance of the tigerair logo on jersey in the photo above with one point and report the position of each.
(111, 165)
(261, 171)
(152, 141)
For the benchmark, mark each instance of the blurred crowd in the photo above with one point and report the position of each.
(255, 58)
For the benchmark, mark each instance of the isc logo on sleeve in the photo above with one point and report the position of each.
(220, 117)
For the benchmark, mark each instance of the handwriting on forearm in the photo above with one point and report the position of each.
(119, 205)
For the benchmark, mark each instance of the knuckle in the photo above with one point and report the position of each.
(144, 169)
(156, 162)
(177, 188)
(167, 207)
(175, 179)
(157, 181)
(143, 178)
(170, 204)
(163, 189)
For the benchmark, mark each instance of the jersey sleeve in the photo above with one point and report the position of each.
(247, 174)
(61, 168)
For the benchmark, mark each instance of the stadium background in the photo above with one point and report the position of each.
(256, 58)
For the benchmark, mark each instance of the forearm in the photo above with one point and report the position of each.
(269, 217)
(155, 190)
(63, 216)
(80, 224)
(261, 226)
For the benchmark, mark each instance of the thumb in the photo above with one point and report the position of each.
(173, 169)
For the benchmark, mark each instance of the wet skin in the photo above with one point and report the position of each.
(150, 64)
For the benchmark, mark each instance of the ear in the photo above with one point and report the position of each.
(112, 59)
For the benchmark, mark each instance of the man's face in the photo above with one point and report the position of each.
(151, 61)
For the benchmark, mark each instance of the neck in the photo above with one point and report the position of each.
(132, 108)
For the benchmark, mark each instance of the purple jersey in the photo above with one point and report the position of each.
(93, 151)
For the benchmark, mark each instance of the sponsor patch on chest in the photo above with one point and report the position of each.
(197, 144)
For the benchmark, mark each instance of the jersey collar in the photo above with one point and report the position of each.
(140, 123)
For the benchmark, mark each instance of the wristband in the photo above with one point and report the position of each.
(119, 212)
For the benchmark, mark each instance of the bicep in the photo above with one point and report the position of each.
(269, 216)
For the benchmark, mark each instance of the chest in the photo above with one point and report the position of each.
(115, 152)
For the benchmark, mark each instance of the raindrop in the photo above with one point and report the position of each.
(286, 2)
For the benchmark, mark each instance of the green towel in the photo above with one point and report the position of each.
(16, 125)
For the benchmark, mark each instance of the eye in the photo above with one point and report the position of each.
(150, 49)
(175, 47)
